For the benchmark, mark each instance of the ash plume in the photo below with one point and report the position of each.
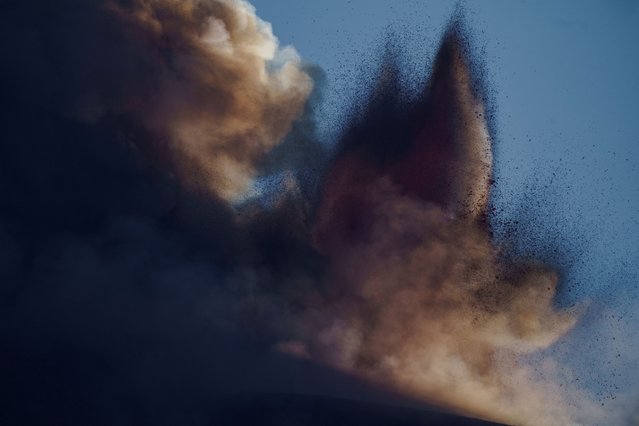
(206, 81)
(141, 279)
(418, 295)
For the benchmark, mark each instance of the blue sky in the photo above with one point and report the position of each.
(564, 82)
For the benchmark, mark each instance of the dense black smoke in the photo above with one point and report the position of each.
(126, 277)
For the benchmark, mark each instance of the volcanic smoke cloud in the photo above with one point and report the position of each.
(135, 260)
(205, 79)
(417, 295)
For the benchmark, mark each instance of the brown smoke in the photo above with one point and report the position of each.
(426, 304)
(395, 279)
(419, 296)
(213, 88)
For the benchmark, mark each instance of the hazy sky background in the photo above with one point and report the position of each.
(564, 81)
